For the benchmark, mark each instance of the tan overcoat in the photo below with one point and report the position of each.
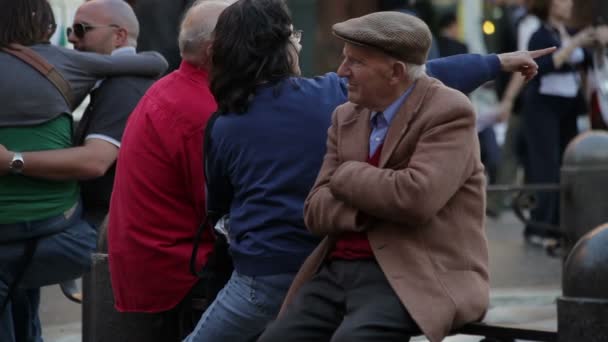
(423, 209)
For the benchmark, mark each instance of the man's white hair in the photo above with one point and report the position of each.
(198, 25)
(415, 71)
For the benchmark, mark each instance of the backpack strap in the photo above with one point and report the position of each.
(33, 59)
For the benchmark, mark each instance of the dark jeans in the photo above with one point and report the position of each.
(63, 254)
(346, 301)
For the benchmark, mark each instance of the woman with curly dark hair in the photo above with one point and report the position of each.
(267, 144)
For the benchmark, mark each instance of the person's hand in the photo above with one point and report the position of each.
(601, 34)
(586, 37)
(5, 159)
(523, 61)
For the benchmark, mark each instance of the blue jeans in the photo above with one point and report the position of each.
(242, 309)
(60, 256)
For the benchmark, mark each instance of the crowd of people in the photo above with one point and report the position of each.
(337, 192)
(542, 115)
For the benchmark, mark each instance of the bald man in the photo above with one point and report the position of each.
(106, 27)
(112, 25)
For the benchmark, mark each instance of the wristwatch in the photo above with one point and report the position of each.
(16, 164)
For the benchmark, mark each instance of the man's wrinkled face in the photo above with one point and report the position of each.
(368, 73)
(92, 31)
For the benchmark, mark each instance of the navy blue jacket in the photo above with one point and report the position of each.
(262, 164)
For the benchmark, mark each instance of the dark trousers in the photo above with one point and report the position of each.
(547, 130)
(346, 301)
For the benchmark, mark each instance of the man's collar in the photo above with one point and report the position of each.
(390, 111)
(125, 50)
(191, 69)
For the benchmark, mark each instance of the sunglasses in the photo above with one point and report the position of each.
(80, 29)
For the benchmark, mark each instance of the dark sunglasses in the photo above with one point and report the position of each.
(80, 29)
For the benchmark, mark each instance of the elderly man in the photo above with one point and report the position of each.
(159, 198)
(400, 196)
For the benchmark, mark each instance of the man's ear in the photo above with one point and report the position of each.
(205, 54)
(121, 38)
(209, 49)
(399, 71)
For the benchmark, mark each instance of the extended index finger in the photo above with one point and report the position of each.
(542, 52)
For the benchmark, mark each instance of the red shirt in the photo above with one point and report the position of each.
(158, 200)
(353, 246)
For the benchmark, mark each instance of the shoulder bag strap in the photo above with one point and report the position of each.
(37, 62)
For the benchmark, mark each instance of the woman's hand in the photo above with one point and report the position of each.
(585, 37)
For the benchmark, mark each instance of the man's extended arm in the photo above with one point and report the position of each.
(464, 72)
(89, 161)
(323, 213)
(467, 72)
(100, 138)
(145, 64)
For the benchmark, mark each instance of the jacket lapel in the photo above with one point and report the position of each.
(354, 135)
(400, 122)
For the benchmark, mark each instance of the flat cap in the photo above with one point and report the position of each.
(397, 34)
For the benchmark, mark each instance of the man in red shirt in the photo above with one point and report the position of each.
(159, 200)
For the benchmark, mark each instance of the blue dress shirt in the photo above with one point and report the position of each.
(380, 121)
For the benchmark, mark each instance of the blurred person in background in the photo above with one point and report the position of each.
(422, 9)
(159, 22)
(513, 148)
(551, 105)
(447, 40)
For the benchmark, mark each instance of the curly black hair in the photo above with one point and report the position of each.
(251, 46)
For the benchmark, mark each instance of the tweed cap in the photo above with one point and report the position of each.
(397, 34)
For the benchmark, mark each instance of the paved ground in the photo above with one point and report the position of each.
(524, 282)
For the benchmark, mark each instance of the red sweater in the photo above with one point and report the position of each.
(352, 246)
